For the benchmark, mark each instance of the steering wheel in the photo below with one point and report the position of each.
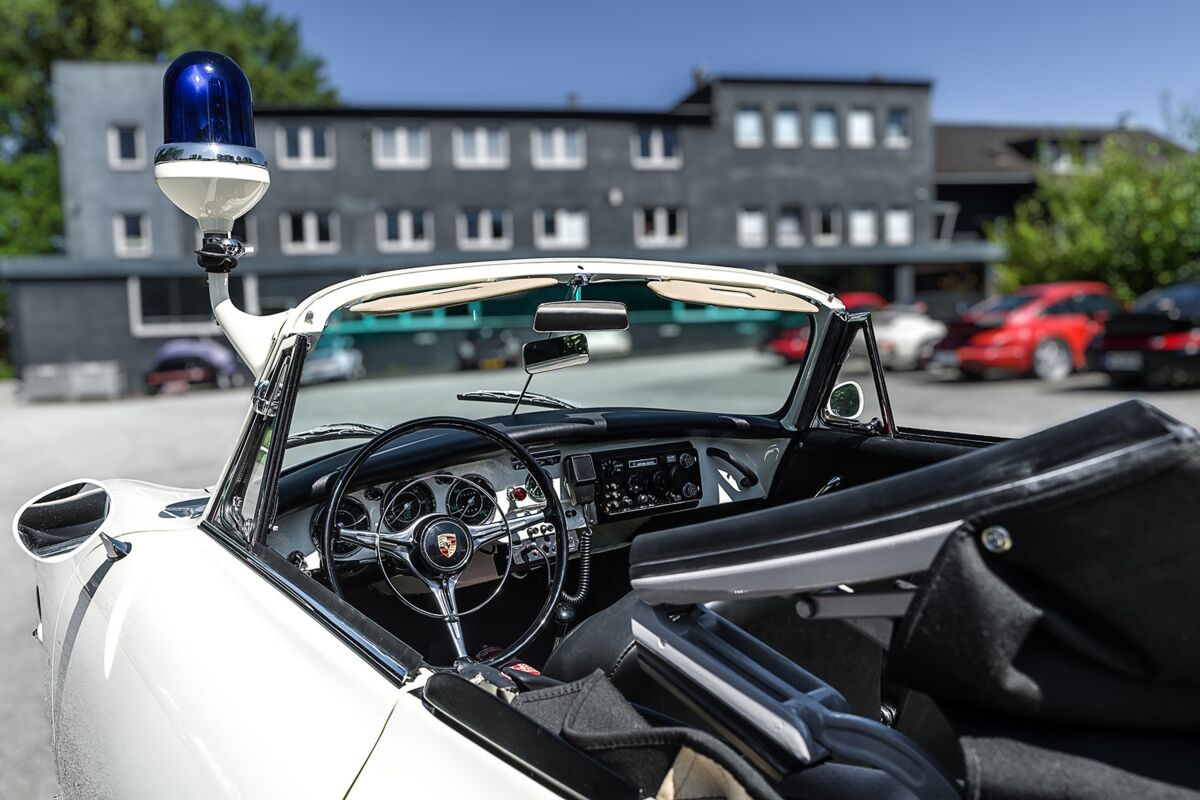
(436, 548)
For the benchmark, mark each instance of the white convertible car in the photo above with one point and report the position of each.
(795, 598)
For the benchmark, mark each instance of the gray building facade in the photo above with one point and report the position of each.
(828, 181)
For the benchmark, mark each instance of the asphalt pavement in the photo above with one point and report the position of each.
(184, 440)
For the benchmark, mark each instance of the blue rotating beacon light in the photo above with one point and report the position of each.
(209, 166)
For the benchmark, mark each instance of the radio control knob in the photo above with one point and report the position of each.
(690, 490)
(687, 460)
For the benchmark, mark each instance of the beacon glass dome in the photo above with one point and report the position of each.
(208, 165)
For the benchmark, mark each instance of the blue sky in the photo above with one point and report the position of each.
(1014, 61)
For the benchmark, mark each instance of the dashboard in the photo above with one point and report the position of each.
(607, 490)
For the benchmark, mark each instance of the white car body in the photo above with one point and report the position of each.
(189, 669)
(905, 336)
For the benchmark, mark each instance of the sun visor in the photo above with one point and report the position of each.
(450, 296)
(745, 297)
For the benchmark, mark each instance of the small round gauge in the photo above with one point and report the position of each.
(471, 500)
(406, 502)
(534, 489)
(350, 514)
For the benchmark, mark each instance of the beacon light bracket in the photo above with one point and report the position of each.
(210, 168)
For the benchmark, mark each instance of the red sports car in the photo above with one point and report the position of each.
(791, 342)
(1042, 329)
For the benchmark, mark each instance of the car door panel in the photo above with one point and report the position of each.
(182, 673)
(820, 454)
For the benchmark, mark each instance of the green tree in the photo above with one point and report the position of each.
(35, 33)
(1133, 220)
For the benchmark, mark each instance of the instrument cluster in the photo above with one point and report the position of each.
(470, 498)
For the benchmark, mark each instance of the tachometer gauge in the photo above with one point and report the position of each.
(406, 502)
(471, 500)
(534, 489)
(350, 514)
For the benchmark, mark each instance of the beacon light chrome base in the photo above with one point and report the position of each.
(212, 183)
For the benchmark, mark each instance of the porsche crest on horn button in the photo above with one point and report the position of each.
(447, 544)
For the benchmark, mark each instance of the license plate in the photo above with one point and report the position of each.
(491, 363)
(1123, 362)
(945, 358)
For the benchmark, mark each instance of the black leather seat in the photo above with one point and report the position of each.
(603, 641)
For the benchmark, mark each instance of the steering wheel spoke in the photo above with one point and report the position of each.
(377, 540)
(443, 591)
(488, 532)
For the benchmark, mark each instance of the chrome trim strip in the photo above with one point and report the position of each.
(209, 151)
(779, 729)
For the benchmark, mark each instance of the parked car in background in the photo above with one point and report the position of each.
(1156, 343)
(906, 335)
(334, 359)
(863, 301)
(489, 348)
(1043, 330)
(789, 338)
(181, 364)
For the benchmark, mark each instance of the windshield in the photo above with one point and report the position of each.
(674, 355)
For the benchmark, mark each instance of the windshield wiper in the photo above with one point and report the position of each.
(336, 430)
(507, 396)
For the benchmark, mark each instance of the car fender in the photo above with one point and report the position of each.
(177, 670)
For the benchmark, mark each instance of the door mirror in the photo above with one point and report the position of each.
(845, 401)
(559, 352)
(580, 315)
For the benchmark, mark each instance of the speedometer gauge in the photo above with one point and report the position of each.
(471, 499)
(350, 514)
(406, 502)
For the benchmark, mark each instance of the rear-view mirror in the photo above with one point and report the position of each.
(559, 352)
(580, 315)
(845, 401)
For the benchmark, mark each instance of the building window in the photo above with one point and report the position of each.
(898, 226)
(304, 147)
(126, 147)
(748, 127)
(245, 230)
(656, 148)
(131, 235)
(751, 227)
(863, 227)
(560, 228)
(826, 226)
(786, 130)
(484, 229)
(860, 128)
(824, 127)
(407, 229)
(558, 148)
(400, 148)
(660, 227)
(179, 306)
(897, 131)
(789, 231)
(303, 232)
(481, 148)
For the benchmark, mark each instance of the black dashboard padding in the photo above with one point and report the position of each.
(312, 480)
(951, 490)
